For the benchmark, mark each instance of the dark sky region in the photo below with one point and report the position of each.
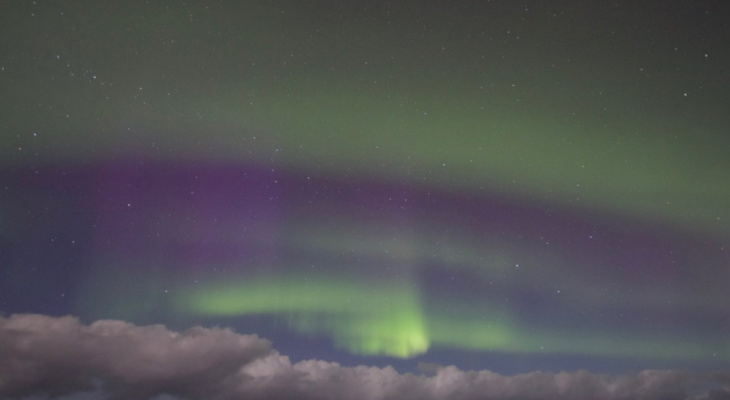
(364, 200)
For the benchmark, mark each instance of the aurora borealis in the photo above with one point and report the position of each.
(387, 268)
(489, 185)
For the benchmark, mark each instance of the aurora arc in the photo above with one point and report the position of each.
(387, 318)
(386, 269)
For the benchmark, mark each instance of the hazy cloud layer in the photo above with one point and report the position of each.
(40, 354)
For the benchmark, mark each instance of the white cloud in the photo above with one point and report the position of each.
(60, 356)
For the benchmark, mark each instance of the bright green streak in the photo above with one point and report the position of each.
(370, 317)
(363, 317)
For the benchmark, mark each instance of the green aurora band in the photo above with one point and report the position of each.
(383, 318)
(616, 161)
(383, 308)
(388, 318)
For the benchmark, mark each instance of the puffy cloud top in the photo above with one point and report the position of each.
(60, 356)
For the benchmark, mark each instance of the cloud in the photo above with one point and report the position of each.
(61, 356)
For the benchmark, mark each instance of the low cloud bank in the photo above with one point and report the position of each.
(62, 356)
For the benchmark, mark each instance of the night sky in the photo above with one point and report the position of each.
(400, 199)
